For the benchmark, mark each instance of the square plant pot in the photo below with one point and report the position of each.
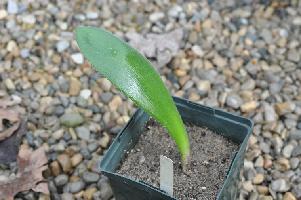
(235, 128)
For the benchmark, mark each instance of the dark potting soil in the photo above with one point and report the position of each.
(211, 156)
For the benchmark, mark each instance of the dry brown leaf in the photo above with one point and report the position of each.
(152, 46)
(29, 176)
(4, 103)
(13, 118)
(10, 146)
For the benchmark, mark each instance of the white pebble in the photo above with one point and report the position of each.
(92, 15)
(85, 93)
(16, 99)
(156, 16)
(297, 21)
(77, 58)
(12, 7)
(62, 45)
(29, 19)
(283, 32)
(197, 50)
(3, 14)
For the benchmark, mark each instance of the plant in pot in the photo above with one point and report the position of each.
(207, 165)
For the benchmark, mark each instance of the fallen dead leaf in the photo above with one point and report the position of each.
(13, 118)
(10, 146)
(29, 176)
(4, 103)
(152, 46)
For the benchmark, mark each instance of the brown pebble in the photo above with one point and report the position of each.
(267, 163)
(289, 196)
(44, 197)
(180, 72)
(76, 159)
(248, 107)
(115, 103)
(55, 168)
(284, 108)
(88, 194)
(265, 198)
(65, 162)
(79, 195)
(73, 179)
(262, 189)
(75, 87)
(282, 164)
(104, 141)
(258, 179)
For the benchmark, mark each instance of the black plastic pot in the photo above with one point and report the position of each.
(236, 128)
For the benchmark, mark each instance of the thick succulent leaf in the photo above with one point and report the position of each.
(134, 75)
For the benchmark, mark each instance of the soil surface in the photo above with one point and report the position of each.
(211, 157)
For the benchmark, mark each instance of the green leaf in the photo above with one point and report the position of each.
(134, 75)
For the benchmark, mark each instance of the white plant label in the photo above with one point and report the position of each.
(166, 175)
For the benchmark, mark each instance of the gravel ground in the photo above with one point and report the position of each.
(244, 57)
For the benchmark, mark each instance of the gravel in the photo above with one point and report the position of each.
(240, 56)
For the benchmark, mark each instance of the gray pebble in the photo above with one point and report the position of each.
(96, 195)
(29, 196)
(296, 151)
(90, 177)
(67, 136)
(105, 189)
(266, 35)
(93, 146)
(280, 185)
(52, 187)
(86, 154)
(59, 110)
(71, 119)
(67, 196)
(287, 150)
(83, 132)
(55, 196)
(81, 102)
(248, 85)
(61, 180)
(299, 125)
(297, 190)
(276, 87)
(269, 113)
(294, 162)
(75, 187)
(63, 84)
(265, 147)
(293, 55)
(106, 97)
(234, 101)
(295, 135)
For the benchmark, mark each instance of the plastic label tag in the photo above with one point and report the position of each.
(166, 175)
